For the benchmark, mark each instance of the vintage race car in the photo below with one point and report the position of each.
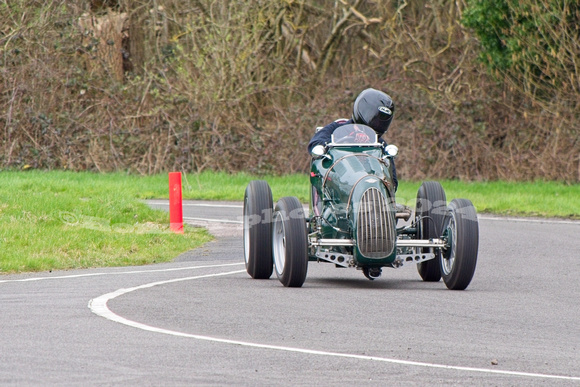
(353, 220)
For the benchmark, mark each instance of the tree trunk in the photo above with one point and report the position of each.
(102, 41)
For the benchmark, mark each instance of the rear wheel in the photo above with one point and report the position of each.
(462, 232)
(430, 211)
(257, 229)
(289, 242)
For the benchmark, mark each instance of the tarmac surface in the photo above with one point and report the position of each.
(201, 320)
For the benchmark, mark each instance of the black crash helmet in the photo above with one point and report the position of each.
(375, 109)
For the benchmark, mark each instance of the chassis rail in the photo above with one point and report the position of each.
(402, 259)
(435, 242)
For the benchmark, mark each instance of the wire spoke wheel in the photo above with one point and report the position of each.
(459, 258)
(289, 242)
(279, 243)
(448, 256)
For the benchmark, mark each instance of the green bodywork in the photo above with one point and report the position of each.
(339, 181)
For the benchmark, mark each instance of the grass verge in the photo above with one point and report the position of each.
(61, 220)
(64, 220)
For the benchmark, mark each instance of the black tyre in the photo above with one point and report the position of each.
(258, 229)
(462, 231)
(430, 211)
(289, 242)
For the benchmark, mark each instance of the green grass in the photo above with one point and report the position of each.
(65, 220)
(62, 220)
(222, 186)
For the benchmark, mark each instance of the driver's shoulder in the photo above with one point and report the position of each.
(336, 124)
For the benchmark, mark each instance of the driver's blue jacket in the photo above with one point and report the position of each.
(324, 136)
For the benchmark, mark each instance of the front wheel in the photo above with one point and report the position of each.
(460, 257)
(290, 242)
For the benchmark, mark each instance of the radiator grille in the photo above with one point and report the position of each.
(376, 231)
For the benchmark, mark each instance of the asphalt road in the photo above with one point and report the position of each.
(201, 320)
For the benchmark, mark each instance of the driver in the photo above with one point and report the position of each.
(372, 108)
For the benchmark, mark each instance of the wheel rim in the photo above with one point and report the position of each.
(279, 243)
(246, 232)
(448, 258)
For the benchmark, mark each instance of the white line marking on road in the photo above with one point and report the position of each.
(526, 220)
(121, 273)
(185, 204)
(99, 307)
(214, 220)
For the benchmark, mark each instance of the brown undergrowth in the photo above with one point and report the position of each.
(240, 85)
